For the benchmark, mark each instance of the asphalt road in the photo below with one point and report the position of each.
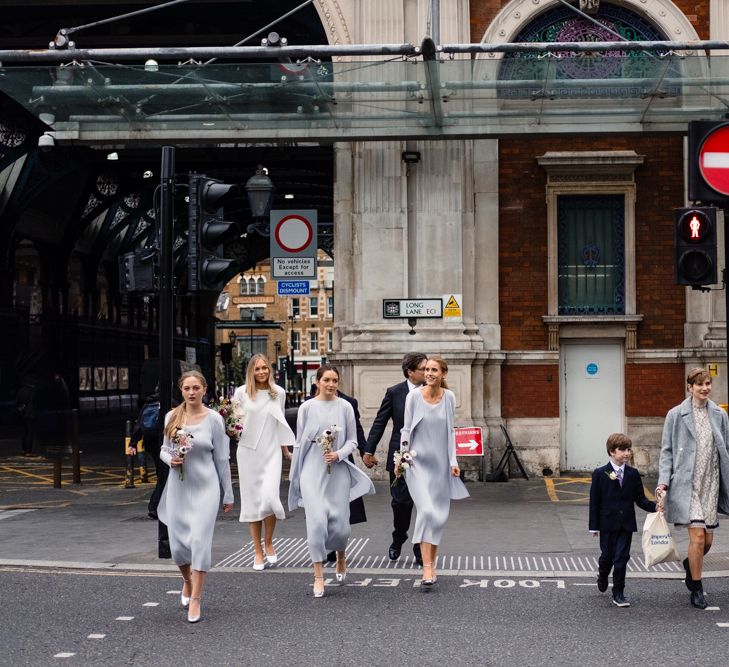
(272, 619)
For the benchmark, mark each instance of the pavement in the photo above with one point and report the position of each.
(513, 528)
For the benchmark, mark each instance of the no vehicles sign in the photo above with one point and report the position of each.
(293, 244)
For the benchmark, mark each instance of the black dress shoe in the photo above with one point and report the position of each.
(332, 557)
(697, 595)
(394, 552)
(602, 583)
(619, 600)
(688, 580)
(417, 554)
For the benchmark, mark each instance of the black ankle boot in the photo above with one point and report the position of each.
(697, 595)
(688, 580)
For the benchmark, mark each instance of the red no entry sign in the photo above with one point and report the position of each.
(293, 233)
(714, 159)
(469, 441)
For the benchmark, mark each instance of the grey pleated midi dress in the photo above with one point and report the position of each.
(259, 454)
(325, 496)
(190, 506)
(428, 430)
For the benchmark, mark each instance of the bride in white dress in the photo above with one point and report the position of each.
(261, 447)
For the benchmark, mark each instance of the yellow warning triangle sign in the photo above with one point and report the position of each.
(452, 303)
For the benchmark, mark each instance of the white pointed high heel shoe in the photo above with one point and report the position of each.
(272, 559)
(319, 594)
(341, 576)
(193, 619)
(184, 599)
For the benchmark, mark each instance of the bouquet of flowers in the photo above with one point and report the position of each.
(402, 460)
(326, 441)
(181, 445)
(232, 414)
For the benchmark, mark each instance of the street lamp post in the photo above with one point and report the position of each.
(232, 337)
(260, 196)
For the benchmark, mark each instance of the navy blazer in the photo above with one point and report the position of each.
(612, 507)
(392, 407)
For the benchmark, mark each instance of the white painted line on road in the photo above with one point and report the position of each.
(151, 604)
(723, 625)
(96, 636)
(713, 609)
(8, 514)
(591, 584)
(173, 592)
(124, 618)
(64, 655)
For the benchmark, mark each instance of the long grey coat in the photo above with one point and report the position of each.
(678, 453)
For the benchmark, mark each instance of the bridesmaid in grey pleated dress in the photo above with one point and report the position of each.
(191, 497)
(324, 483)
(433, 479)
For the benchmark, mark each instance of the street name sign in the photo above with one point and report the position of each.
(293, 287)
(293, 244)
(469, 441)
(394, 308)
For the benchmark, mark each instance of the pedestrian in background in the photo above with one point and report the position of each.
(615, 490)
(25, 409)
(322, 480)
(190, 501)
(392, 409)
(261, 448)
(693, 472)
(148, 429)
(433, 478)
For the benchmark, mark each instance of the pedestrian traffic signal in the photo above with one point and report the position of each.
(137, 270)
(207, 269)
(695, 240)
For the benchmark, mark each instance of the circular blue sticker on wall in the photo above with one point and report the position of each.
(592, 368)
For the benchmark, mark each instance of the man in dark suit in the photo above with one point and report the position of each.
(616, 489)
(393, 408)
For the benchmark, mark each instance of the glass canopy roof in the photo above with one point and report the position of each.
(496, 94)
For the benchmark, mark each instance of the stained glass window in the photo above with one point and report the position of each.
(561, 71)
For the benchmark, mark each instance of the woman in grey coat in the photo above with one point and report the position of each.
(433, 475)
(191, 498)
(693, 472)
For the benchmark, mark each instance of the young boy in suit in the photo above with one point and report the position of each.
(616, 488)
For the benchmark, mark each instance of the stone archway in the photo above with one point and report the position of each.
(334, 17)
(664, 14)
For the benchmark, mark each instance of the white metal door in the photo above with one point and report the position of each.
(592, 405)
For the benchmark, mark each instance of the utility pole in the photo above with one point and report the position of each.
(166, 286)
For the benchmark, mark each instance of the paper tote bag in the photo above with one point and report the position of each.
(658, 545)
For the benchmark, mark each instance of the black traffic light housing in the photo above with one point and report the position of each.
(698, 189)
(137, 270)
(207, 269)
(695, 242)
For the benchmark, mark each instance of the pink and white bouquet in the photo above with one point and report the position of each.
(181, 445)
(233, 415)
(326, 441)
(402, 461)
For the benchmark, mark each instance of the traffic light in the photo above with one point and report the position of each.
(695, 240)
(207, 269)
(137, 270)
(708, 161)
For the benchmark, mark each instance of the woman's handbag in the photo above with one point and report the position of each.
(658, 544)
